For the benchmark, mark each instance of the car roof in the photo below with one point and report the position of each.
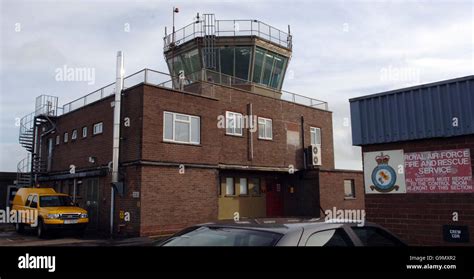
(280, 225)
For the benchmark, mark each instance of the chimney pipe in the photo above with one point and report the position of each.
(116, 135)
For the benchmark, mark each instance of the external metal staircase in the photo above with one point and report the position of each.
(33, 127)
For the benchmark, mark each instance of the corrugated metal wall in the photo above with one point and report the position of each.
(418, 112)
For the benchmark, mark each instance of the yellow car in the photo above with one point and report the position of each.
(44, 209)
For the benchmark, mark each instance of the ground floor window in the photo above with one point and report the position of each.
(349, 189)
(229, 186)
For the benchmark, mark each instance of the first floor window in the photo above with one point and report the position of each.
(74, 134)
(244, 190)
(58, 139)
(84, 132)
(233, 123)
(98, 128)
(229, 186)
(66, 137)
(181, 128)
(265, 128)
(349, 188)
(315, 135)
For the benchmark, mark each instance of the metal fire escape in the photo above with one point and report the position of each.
(33, 127)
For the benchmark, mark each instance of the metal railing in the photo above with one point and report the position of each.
(145, 75)
(161, 79)
(238, 27)
(223, 79)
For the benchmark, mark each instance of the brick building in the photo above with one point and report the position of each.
(195, 146)
(431, 126)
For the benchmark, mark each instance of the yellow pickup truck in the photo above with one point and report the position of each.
(55, 211)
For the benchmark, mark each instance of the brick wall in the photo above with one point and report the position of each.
(331, 189)
(418, 218)
(216, 146)
(172, 201)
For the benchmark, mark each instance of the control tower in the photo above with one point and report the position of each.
(242, 53)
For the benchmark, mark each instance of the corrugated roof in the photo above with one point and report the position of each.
(418, 112)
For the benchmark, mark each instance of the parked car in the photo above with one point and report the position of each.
(284, 232)
(56, 211)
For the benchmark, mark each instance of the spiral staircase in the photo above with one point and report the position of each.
(33, 127)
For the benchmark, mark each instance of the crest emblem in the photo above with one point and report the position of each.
(383, 176)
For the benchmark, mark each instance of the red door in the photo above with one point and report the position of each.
(274, 197)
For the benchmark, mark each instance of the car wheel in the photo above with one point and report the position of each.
(19, 227)
(40, 230)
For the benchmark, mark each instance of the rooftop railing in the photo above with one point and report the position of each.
(184, 84)
(220, 78)
(238, 27)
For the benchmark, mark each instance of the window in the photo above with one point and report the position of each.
(315, 135)
(269, 68)
(371, 236)
(192, 62)
(223, 236)
(244, 190)
(74, 134)
(349, 189)
(265, 128)
(98, 128)
(229, 186)
(34, 202)
(329, 238)
(242, 62)
(66, 137)
(58, 139)
(28, 200)
(84, 132)
(254, 186)
(233, 123)
(181, 128)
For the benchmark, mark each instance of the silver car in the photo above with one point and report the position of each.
(284, 232)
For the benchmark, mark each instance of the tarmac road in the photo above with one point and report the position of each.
(9, 237)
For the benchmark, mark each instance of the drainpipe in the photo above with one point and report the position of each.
(302, 142)
(116, 136)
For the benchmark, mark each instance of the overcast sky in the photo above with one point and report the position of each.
(341, 49)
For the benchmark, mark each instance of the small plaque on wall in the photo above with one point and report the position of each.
(459, 234)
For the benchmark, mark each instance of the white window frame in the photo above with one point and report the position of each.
(74, 134)
(246, 188)
(101, 125)
(314, 133)
(189, 121)
(265, 121)
(353, 189)
(84, 132)
(230, 115)
(227, 179)
(66, 137)
(58, 139)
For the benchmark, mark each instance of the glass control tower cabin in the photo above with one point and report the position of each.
(241, 53)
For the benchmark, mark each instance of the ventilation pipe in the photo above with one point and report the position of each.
(116, 136)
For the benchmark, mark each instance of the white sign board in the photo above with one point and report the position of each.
(384, 172)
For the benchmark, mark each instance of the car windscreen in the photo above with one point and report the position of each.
(50, 201)
(222, 236)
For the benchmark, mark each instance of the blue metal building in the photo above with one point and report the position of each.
(440, 109)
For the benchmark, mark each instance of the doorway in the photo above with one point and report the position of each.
(91, 201)
(274, 196)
